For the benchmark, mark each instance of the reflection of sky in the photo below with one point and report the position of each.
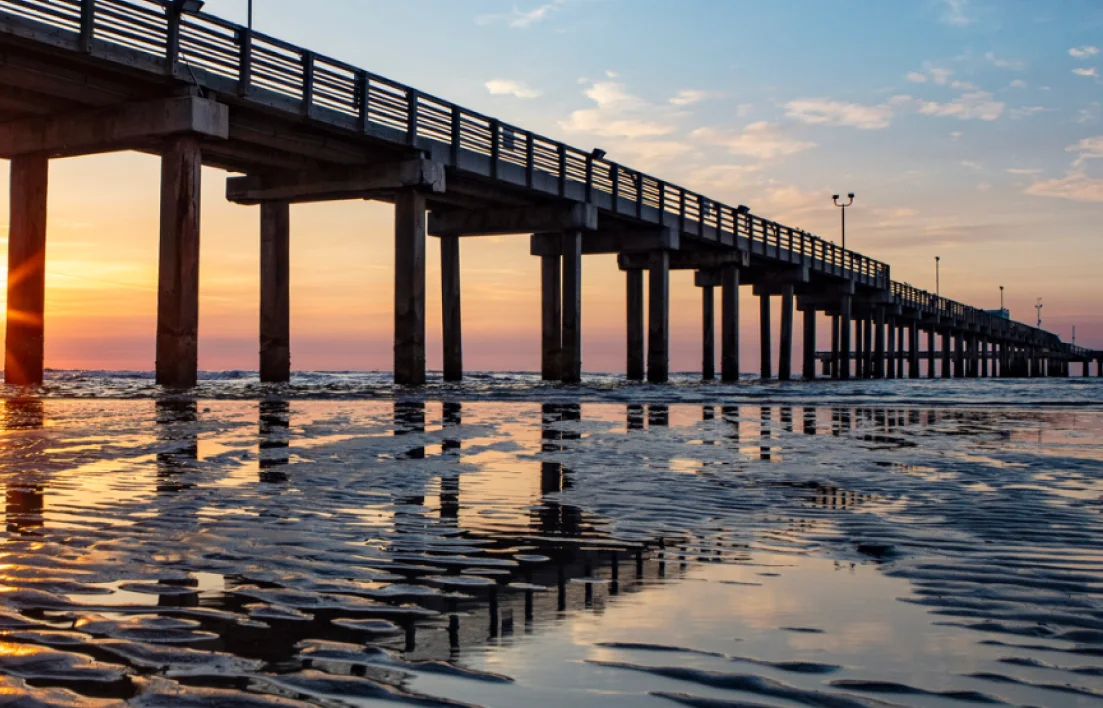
(953, 492)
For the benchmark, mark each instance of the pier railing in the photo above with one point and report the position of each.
(234, 60)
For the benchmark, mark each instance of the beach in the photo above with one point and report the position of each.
(522, 544)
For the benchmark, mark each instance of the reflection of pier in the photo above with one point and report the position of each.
(24, 499)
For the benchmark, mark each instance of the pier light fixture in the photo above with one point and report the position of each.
(850, 200)
(743, 209)
(1038, 307)
(1001, 299)
(938, 277)
(597, 153)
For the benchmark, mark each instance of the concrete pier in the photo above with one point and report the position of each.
(551, 317)
(931, 352)
(451, 312)
(571, 353)
(409, 288)
(844, 337)
(879, 343)
(178, 279)
(808, 360)
(729, 323)
(23, 355)
(275, 293)
(890, 342)
(785, 352)
(658, 319)
(634, 282)
(707, 281)
(765, 347)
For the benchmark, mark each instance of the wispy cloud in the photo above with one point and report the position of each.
(822, 111)
(760, 140)
(1090, 71)
(616, 113)
(968, 106)
(916, 77)
(521, 19)
(686, 97)
(1088, 149)
(1026, 111)
(1017, 83)
(509, 87)
(1075, 186)
(999, 63)
(1083, 52)
(1022, 171)
(956, 13)
(971, 165)
(935, 74)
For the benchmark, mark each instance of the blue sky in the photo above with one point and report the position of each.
(968, 129)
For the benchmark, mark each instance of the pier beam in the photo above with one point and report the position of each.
(275, 294)
(808, 368)
(451, 311)
(658, 319)
(634, 282)
(571, 356)
(409, 288)
(24, 348)
(551, 318)
(785, 354)
(764, 335)
(729, 323)
(178, 270)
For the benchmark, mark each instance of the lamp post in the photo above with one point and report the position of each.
(250, 15)
(1001, 300)
(937, 277)
(1038, 307)
(835, 199)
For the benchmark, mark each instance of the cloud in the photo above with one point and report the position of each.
(760, 140)
(508, 87)
(1083, 52)
(1089, 149)
(1086, 72)
(519, 19)
(971, 165)
(617, 114)
(940, 76)
(1022, 171)
(1090, 114)
(968, 106)
(1075, 186)
(1012, 64)
(983, 187)
(687, 97)
(916, 77)
(821, 111)
(1017, 83)
(1026, 111)
(956, 13)
(962, 86)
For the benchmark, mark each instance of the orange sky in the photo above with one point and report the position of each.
(102, 264)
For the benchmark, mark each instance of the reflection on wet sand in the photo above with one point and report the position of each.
(353, 572)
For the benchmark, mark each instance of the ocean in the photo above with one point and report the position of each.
(506, 542)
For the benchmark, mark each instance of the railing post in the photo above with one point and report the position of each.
(589, 179)
(682, 211)
(308, 84)
(363, 86)
(495, 147)
(615, 179)
(244, 60)
(456, 131)
(562, 170)
(530, 160)
(411, 116)
(87, 24)
(662, 203)
(639, 195)
(172, 41)
(700, 216)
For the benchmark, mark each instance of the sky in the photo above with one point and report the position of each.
(968, 130)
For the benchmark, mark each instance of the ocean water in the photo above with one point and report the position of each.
(339, 541)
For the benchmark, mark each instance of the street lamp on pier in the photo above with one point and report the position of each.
(1001, 300)
(937, 277)
(1038, 307)
(835, 199)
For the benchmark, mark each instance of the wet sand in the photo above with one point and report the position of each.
(539, 553)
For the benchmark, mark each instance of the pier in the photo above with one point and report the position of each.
(81, 77)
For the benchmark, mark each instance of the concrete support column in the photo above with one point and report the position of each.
(844, 337)
(959, 356)
(729, 323)
(452, 317)
(634, 280)
(178, 269)
(867, 346)
(785, 353)
(708, 333)
(946, 339)
(901, 350)
(808, 369)
(984, 357)
(571, 354)
(930, 353)
(835, 352)
(23, 353)
(409, 288)
(764, 334)
(913, 349)
(275, 293)
(551, 318)
(890, 340)
(879, 343)
(1087, 368)
(658, 319)
(859, 353)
